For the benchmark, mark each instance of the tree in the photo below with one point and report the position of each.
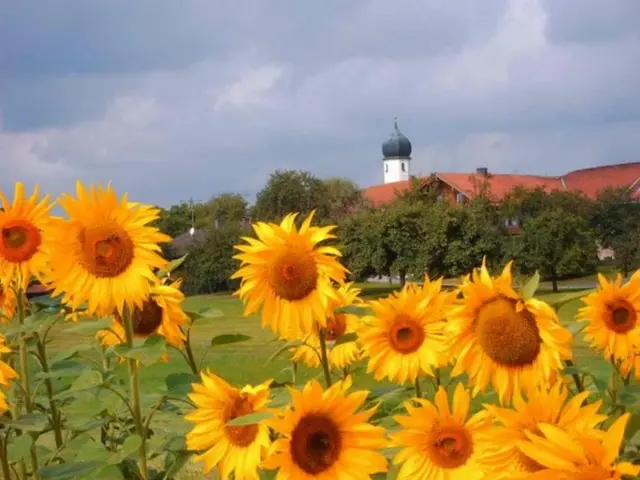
(402, 228)
(175, 220)
(362, 249)
(344, 198)
(475, 231)
(210, 263)
(291, 191)
(421, 190)
(525, 203)
(225, 209)
(557, 243)
(616, 221)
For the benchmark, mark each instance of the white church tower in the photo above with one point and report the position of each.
(397, 156)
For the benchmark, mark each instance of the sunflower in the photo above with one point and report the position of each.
(613, 316)
(338, 324)
(286, 273)
(578, 458)
(438, 442)
(8, 302)
(504, 339)
(6, 375)
(24, 236)
(160, 314)
(237, 450)
(324, 437)
(544, 406)
(405, 337)
(105, 252)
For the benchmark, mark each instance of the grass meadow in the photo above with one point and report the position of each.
(248, 362)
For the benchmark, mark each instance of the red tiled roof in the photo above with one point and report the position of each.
(500, 184)
(381, 194)
(589, 181)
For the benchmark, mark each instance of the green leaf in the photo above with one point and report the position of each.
(346, 338)
(267, 474)
(90, 326)
(74, 371)
(110, 472)
(251, 419)
(633, 427)
(19, 448)
(171, 266)
(285, 348)
(148, 353)
(576, 327)
(179, 384)
(70, 470)
(33, 323)
(88, 380)
(228, 338)
(558, 301)
(529, 289)
(357, 310)
(180, 459)
(30, 422)
(71, 352)
(129, 447)
(571, 370)
(211, 313)
(382, 391)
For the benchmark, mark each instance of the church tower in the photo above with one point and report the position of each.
(396, 153)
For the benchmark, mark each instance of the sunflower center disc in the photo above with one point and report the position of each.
(451, 447)
(107, 250)
(20, 241)
(14, 237)
(294, 275)
(145, 320)
(336, 326)
(406, 335)
(315, 444)
(508, 337)
(622, 318)
(245, 435)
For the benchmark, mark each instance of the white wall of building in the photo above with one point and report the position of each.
(396, 169)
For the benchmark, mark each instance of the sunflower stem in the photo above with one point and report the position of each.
(576, 378)
(24, 376)
(190, 358)
(6, 471)
(325, 357)
(56, 418)
(418, 389)
(22, 468)
(135, 396)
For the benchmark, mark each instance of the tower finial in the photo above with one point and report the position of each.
(395, 122)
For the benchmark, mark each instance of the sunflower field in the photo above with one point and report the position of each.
(484, 381)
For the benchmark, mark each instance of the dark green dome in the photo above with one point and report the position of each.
(397, 146)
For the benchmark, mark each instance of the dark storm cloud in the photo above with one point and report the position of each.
(188, 99)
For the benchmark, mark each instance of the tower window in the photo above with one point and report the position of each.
(402, 166)
(386, 168)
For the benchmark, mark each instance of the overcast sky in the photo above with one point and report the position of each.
(192, 98)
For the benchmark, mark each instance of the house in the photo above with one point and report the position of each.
(461, 187)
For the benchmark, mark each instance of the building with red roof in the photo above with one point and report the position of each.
(461, 187)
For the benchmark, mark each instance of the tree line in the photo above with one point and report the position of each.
(557, 233)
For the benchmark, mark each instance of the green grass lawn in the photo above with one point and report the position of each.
(248, 362)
